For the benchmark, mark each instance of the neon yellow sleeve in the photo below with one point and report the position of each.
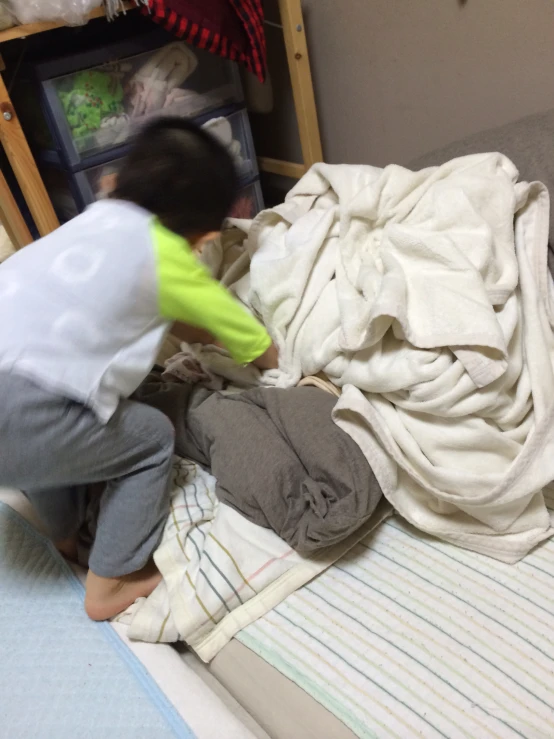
(188, 293)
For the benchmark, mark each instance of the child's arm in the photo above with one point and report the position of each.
(188, 293)
(191, 334)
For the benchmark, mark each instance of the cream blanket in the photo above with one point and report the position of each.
(414, 292)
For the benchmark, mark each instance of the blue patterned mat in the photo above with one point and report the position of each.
(61, 675)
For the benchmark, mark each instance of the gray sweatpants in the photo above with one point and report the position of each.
(49, 446)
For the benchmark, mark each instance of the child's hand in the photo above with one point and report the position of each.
(268, 360)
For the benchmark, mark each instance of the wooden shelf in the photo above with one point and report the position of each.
(31, 28)
(12, 136)
(285, 169)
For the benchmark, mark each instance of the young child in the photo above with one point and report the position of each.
(84, 313)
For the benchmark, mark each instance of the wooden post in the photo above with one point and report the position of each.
(24, 166)
(301, 79)
(285, 169)
(11, 217)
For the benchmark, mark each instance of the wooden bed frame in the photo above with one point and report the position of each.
(12, 136)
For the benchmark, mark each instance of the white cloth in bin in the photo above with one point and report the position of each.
(164, 72)
(72, 12)
(7, 18)
(188, 103)
(222, 130)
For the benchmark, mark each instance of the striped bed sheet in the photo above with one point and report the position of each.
(407, 636)
(220, 571)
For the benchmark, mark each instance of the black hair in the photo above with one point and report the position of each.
(181, 174)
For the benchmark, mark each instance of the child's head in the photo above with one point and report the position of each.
(181, 174)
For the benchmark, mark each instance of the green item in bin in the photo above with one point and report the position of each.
(95, 94)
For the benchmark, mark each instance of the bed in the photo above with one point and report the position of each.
(273, 700)
(405, 636)
(348, 654)
(428, 657)
(408, 636)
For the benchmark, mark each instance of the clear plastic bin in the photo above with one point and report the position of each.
(233, 131)
(72, 192)
(96, 106)
(98, 182)
(58, 185)
(249, 202)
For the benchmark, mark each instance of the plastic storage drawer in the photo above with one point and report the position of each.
(61, 193)
(93, 101)
(72, 192)
(233, 131)
(249, 202)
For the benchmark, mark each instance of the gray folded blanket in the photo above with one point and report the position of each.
(277, 456)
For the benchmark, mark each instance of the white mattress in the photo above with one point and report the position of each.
(405, 637)
(203, 710)
(411, 637)
(276, 703)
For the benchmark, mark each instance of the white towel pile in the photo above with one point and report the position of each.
(414, 292)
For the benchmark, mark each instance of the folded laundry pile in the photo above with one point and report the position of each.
(415, 293)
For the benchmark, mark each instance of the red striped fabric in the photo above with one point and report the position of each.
(248, 48)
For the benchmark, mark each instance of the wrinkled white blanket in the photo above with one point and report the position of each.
(413, 292)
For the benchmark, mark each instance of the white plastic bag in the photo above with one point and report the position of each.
(72, 12)
(7, 19)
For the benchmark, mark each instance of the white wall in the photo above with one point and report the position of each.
(396, 78)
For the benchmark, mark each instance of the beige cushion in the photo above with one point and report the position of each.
(529, 143)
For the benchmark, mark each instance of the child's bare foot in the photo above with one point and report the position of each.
(68, 548)
(107, 596)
